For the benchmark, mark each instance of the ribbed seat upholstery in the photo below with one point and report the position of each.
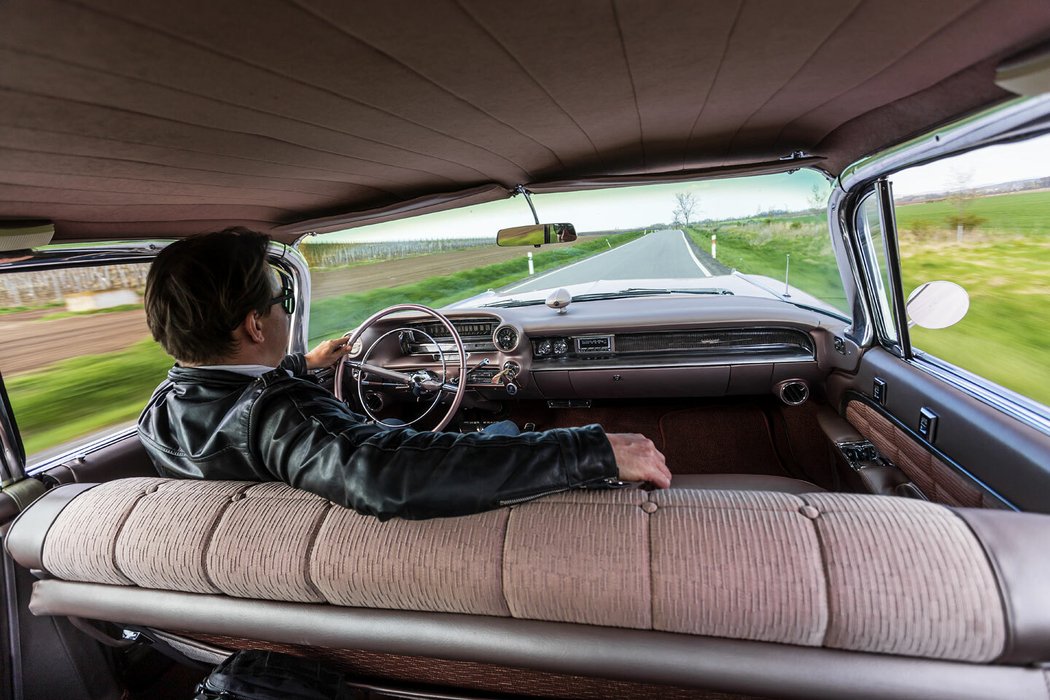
(820, 570)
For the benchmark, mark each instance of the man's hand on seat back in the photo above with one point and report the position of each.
(638, 459)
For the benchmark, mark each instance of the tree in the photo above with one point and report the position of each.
(961, 195)
(818, 197)
(686, 206)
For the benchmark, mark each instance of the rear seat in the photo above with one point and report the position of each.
(808, 595)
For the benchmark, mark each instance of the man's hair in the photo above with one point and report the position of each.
(200, 288)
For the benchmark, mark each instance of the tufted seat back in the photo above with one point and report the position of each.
(861, 573)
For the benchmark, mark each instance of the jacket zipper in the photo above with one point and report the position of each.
(515, 501)
(610, 482)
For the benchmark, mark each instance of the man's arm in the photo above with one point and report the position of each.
(307, 438)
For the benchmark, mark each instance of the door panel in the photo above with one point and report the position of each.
(981, 448)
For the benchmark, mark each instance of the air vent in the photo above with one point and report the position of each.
(793, 392)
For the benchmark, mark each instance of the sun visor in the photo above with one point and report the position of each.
(428, 204)
(793, 162)
(1027, 74)
(23, 235)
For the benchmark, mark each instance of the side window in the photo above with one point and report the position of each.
(982, 220)
(77, 358)
(872, 241)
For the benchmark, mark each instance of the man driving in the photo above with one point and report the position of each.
(236, 407)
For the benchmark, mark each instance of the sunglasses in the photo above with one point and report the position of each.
(287, 296)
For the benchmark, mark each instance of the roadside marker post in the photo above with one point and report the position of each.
(714, 246)
(532, 270)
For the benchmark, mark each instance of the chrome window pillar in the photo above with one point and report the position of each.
(12, 452)
(888, 220)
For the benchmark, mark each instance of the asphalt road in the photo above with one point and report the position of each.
(661, 254)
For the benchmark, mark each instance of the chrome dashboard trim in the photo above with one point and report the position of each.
(617, 363)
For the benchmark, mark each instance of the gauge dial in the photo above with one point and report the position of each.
(506, 338)
(543, 347)
(561, 346)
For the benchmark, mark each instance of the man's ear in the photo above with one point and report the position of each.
(252, 327)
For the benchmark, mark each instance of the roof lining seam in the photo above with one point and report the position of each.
(714, 78)
(533, 78)
(182, 167)
(166, 182)
(440, 87)
(921, 42)
(235, 105)
(83, 206)
(195, 197)
(238, 59)
(630, 78)
(221, 130)
(169, 167)
(784, 85)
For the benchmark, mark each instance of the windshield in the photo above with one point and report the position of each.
(763, 236)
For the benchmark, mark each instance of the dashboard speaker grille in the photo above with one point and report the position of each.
(761, 340)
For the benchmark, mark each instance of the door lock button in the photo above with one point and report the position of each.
(878, 391)
(928, 424)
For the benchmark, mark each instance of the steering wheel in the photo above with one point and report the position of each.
(421, 382)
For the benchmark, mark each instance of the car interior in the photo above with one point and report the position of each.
(843, 520)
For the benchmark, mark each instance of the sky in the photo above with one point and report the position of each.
(603, 210)
(986, 166)
(634, 207)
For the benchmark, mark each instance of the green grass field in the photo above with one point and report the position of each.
(77, 397)
(1018, 213)
(758, 248)
(1005, 336)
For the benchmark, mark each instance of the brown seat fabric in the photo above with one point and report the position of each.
(862, 573)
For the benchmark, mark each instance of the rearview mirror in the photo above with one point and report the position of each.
(937, 304)
(536, 235)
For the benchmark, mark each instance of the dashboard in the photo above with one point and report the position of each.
(623, 348)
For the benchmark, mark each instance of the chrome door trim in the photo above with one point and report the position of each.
(1015, 405)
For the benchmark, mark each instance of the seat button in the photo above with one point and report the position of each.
(649, 507)
(809, 511)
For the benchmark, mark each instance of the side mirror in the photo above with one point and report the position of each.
(536, 235)
(937, 304)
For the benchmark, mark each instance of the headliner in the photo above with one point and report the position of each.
(133, 119)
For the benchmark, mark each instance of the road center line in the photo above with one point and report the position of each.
(693, 255)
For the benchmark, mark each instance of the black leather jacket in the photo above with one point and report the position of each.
(283, 426)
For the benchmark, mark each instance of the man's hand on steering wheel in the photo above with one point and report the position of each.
(327, 353)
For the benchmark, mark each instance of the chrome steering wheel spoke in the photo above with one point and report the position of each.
(421, 383)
